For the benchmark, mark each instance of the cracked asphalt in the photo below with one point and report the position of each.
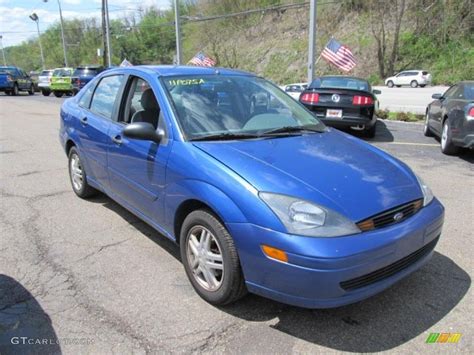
(89, 277)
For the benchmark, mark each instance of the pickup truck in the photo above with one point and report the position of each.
(13, 80)
(61, 82)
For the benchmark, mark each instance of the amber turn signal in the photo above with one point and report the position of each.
(275, 253)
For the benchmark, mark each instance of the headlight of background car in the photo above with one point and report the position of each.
(427, 193)
(305, 218)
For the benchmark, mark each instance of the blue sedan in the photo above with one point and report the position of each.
(258, 193)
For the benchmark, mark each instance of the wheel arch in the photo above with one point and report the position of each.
(184, 209)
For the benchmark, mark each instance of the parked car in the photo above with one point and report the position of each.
(34, 78)
(61, 82)
(83, 74)
(295, 90)
(44, 81)
(343, 102)
(272, 202)
(413, 78)
(13, 80)
(451, 117)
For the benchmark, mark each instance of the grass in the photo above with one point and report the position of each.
(400, 116)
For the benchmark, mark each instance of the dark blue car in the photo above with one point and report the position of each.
(83, 74)
(258, 193)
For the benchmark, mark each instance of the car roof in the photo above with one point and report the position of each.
(340, 76)
(172, 70)
(8, 67)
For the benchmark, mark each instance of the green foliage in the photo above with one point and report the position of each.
(383, 114)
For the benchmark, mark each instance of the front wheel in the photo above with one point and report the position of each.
(58, 93)
(31, 90)
(16, 90)
(447, 146)
(78, 176)
(426, 129)
(390, 84)
(414, 84)
(45, 92)
(210, 259)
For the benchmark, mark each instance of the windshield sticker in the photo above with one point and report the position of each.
(183, 82)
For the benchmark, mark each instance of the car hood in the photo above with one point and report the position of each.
(332, 169)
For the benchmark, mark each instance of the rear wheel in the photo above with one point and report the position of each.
(447, 146)
(78, 176)
(31, 90)
(15, 90)
(414, 84)
(390, 84)
(398, 86)
(422, 85)
(426, 129)
(58, 93)
(8, 93)
(210, 259)
(370, 132)
(45, 92)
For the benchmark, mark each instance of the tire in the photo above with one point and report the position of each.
(398, 86)
(68, 93)
(414, 84)
(447, 146)
(426, 129)
(46, 92)
(422, 85)
(370, 132)
(58, 93)
(15, 90)
(228, 284)
(390, 84)
(31, 90)
(79, 185)
(8, 93)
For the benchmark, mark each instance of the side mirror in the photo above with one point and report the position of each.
(143, 131)
(376, 92)
(437, 96)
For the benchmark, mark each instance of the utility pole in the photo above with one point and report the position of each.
(104, 36)
(177, 24)
(107, 32)
(312, 40)
(3, 51)
(62, 34)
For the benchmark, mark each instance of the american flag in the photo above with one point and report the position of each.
(202, 60)
(339, 55)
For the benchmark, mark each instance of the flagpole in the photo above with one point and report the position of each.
(319, 57)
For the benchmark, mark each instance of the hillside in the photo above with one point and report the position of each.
(436, 35)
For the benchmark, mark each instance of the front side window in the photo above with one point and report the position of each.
(449, 93)
(105, 95)
(229, 104)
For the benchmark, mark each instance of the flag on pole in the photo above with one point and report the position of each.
(339, 55)
(126, 63)
(202, 60)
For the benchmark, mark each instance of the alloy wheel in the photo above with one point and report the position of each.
(444, 136)
(77, 174)
(205, 258)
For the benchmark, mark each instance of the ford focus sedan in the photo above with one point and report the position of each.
(257, 192)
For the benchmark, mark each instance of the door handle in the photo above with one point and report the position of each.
(117, 139)
(84, 121)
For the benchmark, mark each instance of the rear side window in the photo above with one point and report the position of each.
(469, 92)
(105, 95)
(424, 73)
(85, 99)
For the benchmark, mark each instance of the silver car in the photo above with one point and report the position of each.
(413, 78)
(44, 81)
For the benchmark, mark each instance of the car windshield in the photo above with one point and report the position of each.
(86, 71)
(234, 105)
(46, 72)
(7, 71)
(62, 72)
(340, 83)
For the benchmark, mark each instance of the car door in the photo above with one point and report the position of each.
(398, 79)
(137, 167)
(95, 117)
(438, 107)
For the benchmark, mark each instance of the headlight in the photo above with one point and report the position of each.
(305, 218)
(427, 193)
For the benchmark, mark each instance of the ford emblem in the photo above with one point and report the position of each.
(398, 216)
(335, 98)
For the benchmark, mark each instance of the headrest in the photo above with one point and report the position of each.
(148, 100)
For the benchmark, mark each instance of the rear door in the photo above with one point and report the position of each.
(95, 119)
(137, 167)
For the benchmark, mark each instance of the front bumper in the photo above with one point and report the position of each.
(317, 266)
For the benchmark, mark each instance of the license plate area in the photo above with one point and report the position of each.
(330, 113)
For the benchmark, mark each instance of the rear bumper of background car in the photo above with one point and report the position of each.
(322, 272)
(351, 117)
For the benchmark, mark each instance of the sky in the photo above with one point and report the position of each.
(16, 26)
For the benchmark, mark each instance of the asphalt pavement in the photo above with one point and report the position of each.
(90, 277)
(407, 99)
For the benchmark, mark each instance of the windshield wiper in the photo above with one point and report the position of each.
(291, 129)
(224, 136)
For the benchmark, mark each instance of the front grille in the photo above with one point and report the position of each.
(392, 216)
(389, 270)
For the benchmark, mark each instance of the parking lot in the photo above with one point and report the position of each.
(96, 279)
